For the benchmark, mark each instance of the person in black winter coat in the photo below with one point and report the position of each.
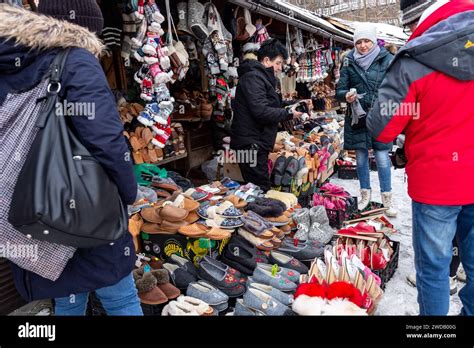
(35, 41)
(258, 111)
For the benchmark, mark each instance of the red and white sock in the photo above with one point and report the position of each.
(140, 13)
(162, 134)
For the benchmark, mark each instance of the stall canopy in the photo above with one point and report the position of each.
(297, 17)
(389, 33)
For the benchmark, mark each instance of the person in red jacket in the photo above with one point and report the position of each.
(427, 95)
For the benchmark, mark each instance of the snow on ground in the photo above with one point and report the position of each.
(400, 298)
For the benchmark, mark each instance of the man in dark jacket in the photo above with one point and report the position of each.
(34, 41)
(258, 111)
(427, 94)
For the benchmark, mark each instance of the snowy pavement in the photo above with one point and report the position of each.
(399, 297)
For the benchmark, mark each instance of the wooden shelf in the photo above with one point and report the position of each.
(172, 159)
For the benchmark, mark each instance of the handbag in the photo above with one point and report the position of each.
(63, 195)
(178, 54)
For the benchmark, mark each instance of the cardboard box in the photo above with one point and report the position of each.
(232, 170)
(164, 245)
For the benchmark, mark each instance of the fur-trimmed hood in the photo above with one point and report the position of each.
(39, 32)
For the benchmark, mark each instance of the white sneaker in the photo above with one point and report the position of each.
(453, 285)
(365, 196)
(411, 278)
(387, 203)
(461, 275)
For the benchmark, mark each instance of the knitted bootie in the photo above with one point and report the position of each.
(320, 230)
(302, 218)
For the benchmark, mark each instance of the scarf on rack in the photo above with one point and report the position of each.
(366, 60)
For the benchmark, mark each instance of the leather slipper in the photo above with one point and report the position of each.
(173, 214)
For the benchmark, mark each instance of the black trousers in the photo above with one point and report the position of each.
(257, 172)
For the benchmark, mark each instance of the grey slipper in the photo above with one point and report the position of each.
(278, 281)
(261, 301)
(285, 299)
(304, 252)
(242, 310)
(207, 292)
(291, 274)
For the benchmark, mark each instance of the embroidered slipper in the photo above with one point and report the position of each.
(195, 194)
(227, 210)
(224, 223)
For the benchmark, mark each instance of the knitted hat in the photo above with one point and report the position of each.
(366, 31)
(413, 9)
(85, 13)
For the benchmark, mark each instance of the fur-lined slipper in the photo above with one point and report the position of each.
(201, 307)
(176, 308)
(267, 207)
(163, 283)
(148, 292)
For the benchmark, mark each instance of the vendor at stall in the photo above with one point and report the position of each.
(258, 110)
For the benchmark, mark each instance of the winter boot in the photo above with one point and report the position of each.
(320, 230)
(301, 217)
(453, 284)
(365, 197)
(387, 203)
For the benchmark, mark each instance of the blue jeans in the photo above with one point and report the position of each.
(383, 167)
(118, 299)
(434, 228)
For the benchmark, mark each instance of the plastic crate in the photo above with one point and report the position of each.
(337, 217)
(387, 273)
(347, 172)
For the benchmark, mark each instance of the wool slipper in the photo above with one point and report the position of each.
(256, 227)
(257, 242)
(163, 283)
(267, 207)
(201, 307)
(148, 292)
(278, 170)
(227, 210)
(291, 168)
(224, 223)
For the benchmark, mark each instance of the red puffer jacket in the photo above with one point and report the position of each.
(428, 94)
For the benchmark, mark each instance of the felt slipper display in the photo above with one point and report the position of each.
(213, 234)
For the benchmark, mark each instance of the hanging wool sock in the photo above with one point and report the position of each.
(157, 16)
(151, 45)
(147, 89)
(163, 56)
(162, 93)
(161, 134)
(140, 12)
(137, 41)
